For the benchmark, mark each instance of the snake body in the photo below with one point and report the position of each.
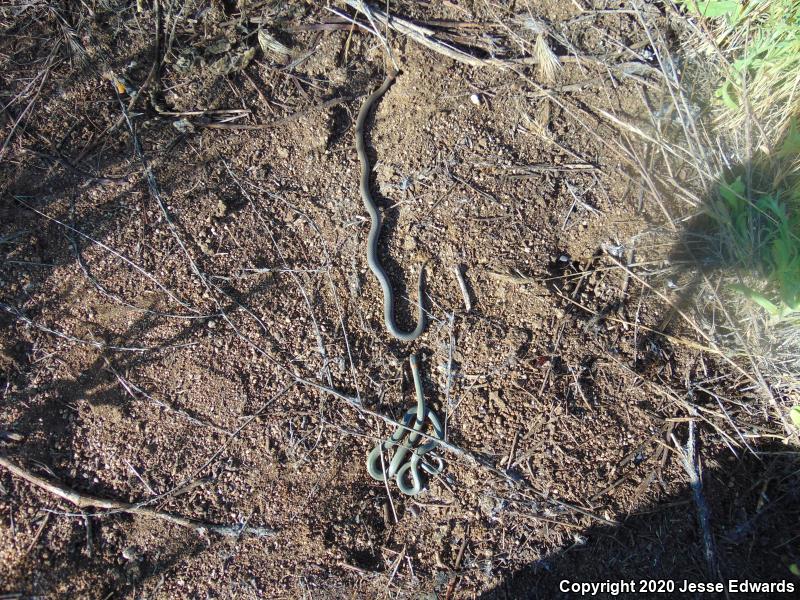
(375, 228)
(415, 419)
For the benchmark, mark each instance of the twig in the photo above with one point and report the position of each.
(99, 345)
(85, 501)
(107, 248)
(462, 284)
(108, 293)
(358, 570)
(44, 75)
(277, 122)
(77, 170)
(527, 171)
(419, 34)
(135, 391)
(294, 276)
(327, 271)
(396, 566)
(87, 522)
(690, 462)
(155, 191)
(425, 37)
(364, 7)
(513, 450)
(38, 534)
(453, 582)
(449, 385)
(141, 479)
(258, 91)
(388, 491)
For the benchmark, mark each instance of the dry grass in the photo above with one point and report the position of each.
(692, 158)
(756, 46)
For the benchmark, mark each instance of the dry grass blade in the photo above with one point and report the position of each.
(698, 156)
(419, 34)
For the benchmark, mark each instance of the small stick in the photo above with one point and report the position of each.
(388, 491)
(396, 566)
(358, 570)
(580, 389)
(258, 91)
(419, 34)
(449, 386)
(13, 310)
(77, 170)
(452, 587)
(38, 534)
(457, 269)
(382, 38)
(84, 501)
(513, 450)
(140, 478)
(123, 258)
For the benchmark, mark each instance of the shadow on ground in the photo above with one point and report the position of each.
(753, 498)
(754, 502)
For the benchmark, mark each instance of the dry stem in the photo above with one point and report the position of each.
(85, 501)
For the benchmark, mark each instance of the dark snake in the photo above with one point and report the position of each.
(375, 228)
(414, 419)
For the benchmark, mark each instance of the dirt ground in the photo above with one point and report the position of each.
(182, 268)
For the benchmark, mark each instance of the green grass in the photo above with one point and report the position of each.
(760, 232)
(760, 41)
(757, 44)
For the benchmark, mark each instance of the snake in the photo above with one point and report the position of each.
(414, 419)
(375, 228)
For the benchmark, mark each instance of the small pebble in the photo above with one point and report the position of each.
(475, 99)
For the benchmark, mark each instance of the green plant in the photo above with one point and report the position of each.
(794, 414)
(764, 234)
(761, 42)
(760, 230)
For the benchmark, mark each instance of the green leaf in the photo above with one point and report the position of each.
(794, 414)
(733, 194)
(790, 147)
(742, 228)
(712, 8)
(727, 98)
(769, 204)
(781, 254)
(759, 299)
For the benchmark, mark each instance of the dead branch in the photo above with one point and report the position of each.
(690, 462)
(85, 501)
(421, 35)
